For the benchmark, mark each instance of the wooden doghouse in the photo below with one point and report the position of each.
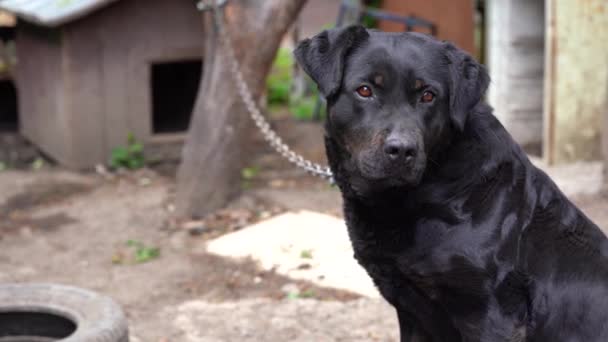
(92, 71)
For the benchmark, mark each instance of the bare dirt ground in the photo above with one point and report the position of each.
(58, 226)
(72, 228)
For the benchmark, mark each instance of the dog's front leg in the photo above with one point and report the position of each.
(409, 329)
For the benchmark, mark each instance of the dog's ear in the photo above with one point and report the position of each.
(323, 56)
(468, 83)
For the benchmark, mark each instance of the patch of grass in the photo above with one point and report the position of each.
(306, 254)
(143, 253)
(138, 253)
(248, 174)
(3, 166)
(307, 293)
(304, 108)
(130, 156)
(328, 26)
(278, 83)
(301, 295)
(38, 164)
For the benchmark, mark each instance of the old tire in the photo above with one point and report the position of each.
(49, 312)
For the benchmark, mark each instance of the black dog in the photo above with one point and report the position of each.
(459, 231)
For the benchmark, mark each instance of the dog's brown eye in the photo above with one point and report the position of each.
(364, 91)
(427, 96)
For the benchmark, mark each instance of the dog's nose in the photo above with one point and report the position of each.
(398, 149)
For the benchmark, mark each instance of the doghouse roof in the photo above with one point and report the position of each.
(52, 13)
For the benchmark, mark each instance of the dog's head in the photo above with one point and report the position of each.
(394, 99)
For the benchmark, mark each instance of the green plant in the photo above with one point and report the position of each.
(293, 295)
(278, 86)
(3, 166)
(38, 164)
(247, 175)
(143, 253)
(369, 21)
(309, 293)
(278, 83)
(130, 156)
(303, 108)
(328, 26)
(306, 254)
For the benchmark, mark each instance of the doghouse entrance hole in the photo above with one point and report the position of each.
(174, 89)
(9, 119)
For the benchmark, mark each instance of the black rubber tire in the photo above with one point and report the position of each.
(97, 318)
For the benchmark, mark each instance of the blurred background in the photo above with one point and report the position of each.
(126, 149)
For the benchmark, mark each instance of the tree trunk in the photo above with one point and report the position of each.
(216, 147)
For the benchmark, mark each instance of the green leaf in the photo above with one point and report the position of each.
(293, 295)
(136, 148)
(278, 92)
(38, 164)
(143, 253)
(250, 173)
(120, 153)
(307, 293)
(283, 59)
(278, 83)
(304, 108)
(130, 156)
(133, 243)
(245, 185)
(131, 139)
(306, 254)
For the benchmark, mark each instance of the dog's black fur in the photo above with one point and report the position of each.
(459, 231)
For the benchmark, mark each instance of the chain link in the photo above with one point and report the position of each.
(260, 121)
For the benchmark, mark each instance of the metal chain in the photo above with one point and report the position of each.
(260, 121)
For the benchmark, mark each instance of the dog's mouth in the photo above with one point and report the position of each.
(376, 175)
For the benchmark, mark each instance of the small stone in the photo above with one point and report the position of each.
(26, 232)
(277, 183)
(187, 225)
(101, 169)
(197, 231)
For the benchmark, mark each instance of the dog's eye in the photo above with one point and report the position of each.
(364, 91)
(427, 96)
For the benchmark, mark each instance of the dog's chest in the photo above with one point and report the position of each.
(381, 252)
(442, 273)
